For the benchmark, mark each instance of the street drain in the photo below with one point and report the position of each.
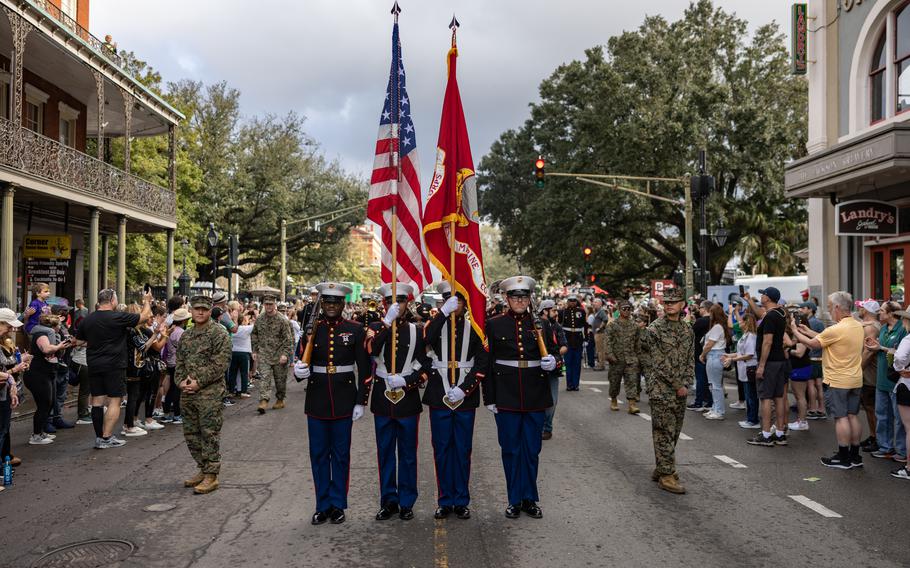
(86, 554)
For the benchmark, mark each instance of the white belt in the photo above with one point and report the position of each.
(383, 374)
(332, 369)
(457, 364)
(521, 364)
(574, 329)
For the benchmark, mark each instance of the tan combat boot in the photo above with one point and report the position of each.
(195, 480)
(209, 484)
(633, 407)
(263, 405)
(667, 483)
(279, 404)
(614, 404)
(656, 476)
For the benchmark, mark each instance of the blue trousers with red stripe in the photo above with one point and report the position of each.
(330, 458)
(397, 477)
(453, 435)
(572, 359)
(520, 441)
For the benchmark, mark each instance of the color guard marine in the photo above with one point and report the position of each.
(395, 403)
(337, 370)
(452, 405)
(575, 324)
(517, 391)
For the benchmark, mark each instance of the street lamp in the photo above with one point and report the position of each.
(184, 279)
(213, 242)
(720, 237)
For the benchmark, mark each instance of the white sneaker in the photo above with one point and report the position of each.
(153, 425)
(39, 440)
(51, 436)
(798, 425)
(738, 405)
(83, 421)
(133, 432)
(711, 415)
(749, 425)
(158, 412)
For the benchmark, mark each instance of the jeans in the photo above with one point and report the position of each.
(889, 437)
(714, 368)
(590, 351)
(751, 402)
(62, 383)
(240, 363)
(550, 412)
(702, 393)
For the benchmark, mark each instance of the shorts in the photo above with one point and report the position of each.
(801, 374)
(841, 402)
(109, 382)
(774, 382)
(867, 397)
(817, 370)
(902, 394)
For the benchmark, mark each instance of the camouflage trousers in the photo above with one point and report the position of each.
(666, 423)
(272, 376)
(626, 374)
(202, 420)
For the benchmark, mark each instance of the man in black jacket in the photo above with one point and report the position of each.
(555, 340)
(517, 391)
(452, 395)
(337, 372)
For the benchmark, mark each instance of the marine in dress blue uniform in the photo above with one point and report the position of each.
(453, 407)
(517, 391)
(397, 423)
(338, 371)
(575, 324)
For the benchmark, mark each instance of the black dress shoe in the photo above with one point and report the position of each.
(462, 512)
(319, 517)
(406, 514)
(513, 511)
(442, 512)
(531, 508)
(336, 516)
(386, 511)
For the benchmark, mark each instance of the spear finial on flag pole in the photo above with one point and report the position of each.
(454, 25)
(396, 9)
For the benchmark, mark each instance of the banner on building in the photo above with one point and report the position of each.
(47, 270)
(799, 31)
(46, 246)
(866, 218)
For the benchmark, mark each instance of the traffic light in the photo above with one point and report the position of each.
(587, 252)
(592, 278)
(539, 173)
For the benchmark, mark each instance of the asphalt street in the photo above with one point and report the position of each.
(746, 506)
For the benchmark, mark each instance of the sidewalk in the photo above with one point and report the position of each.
(27, 406)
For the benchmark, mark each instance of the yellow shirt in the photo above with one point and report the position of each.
(842, 349)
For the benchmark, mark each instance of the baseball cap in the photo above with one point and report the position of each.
(871, 306)
(810, 305)
(8, 316)
(772, 293)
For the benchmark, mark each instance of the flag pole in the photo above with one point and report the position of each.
(453, 366)
(396, 156)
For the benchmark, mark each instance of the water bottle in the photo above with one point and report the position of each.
(7, 471)
(18, 356)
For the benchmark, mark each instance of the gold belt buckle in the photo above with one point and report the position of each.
(453, 364)
(522, 364)
(330, 369)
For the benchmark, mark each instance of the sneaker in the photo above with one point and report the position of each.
(738, 405)
(899, 458)
(157, 413)
(697, 408)
(166, 419)
(112, 442)
(779, 440)
(836, 462)
(749, 425)
(857, 461)
(178, 420)
(870, 444)
(50, 436)
(760, 440)
(40, 440)
(83, 420)
(711, 415)
(812, 415)
(116, 442)
(153, 425)
(883, 454)
(798, 425)
(227, 402)
(901, 473)
(245, 395)
(133, 432)
(123, 403)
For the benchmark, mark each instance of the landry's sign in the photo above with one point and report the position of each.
(799, 58)
(866, 218)
(46, 246)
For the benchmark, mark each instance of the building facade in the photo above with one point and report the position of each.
(366, 248)
(64, 93)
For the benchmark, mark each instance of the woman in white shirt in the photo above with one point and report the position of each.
(715, 345)
(745, 369)
(241, 353)
(902, 388)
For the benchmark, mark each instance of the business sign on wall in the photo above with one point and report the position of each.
(799, 31)
(866, 218)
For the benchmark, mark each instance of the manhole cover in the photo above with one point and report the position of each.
(159, 507)
(87, 554)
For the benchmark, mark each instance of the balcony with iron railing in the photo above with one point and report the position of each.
(26, 151)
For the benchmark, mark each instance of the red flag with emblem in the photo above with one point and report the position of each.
(452, 204)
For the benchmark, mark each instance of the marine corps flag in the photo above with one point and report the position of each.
(451, 218)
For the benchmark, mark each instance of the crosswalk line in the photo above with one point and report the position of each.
(595, 389)
(684, 436)
(595, 382)
(731, 462)
(817, 507)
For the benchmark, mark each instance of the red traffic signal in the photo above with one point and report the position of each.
(539, 164)
(587, 251)
(539, 172)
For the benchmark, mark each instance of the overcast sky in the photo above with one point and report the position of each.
(329, 59)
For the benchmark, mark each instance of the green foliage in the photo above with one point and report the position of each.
(644, 105)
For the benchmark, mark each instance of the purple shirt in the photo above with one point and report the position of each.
(41, 307)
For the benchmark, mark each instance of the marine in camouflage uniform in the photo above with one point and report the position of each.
(203, 356)
(273, 344)
(622, 354)
(667, 344)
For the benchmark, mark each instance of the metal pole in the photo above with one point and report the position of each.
(283, 275)
(690, 253)
(214, 267)
(703, 233)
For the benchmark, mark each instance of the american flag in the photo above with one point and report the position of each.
(388, 189)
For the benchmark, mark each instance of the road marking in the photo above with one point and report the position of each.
(595, 389)
(440, 545)
(645, 416)
(817, 507)
(684, 436)
(732, 462)
(595, 382)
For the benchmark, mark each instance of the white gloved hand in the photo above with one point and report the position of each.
(450, 306)
(548, 363)
(392, 314)
(455, 395)
(358, 412)
(396, 381)
(301, 371)
(492, 408)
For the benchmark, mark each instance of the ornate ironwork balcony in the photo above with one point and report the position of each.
(24, 150)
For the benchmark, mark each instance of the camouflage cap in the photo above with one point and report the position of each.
(674, 295)
(201, 302)
(269, 299)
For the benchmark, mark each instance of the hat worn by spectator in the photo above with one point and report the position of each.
(871, 306)
(181, 314)
(772, 293)
(899, 313)
(219, 297)
(673, 295)
(8, 317)
(403, 291)
(201, 302)
(334, 292)
(518, 286)
(269, 299)
(810, 305)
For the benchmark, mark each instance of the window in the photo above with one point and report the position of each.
(878, 274)
(902, 58)
(877, 81)
(68, 132)
(34, 115)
